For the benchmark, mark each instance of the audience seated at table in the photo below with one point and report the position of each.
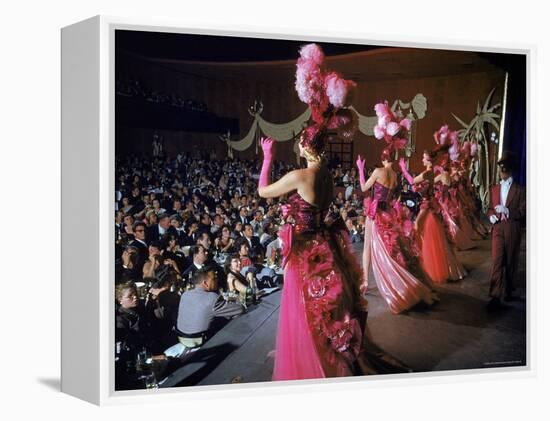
(200, 306)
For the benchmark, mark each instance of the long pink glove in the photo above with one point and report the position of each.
(361, 167)
(406, 174)
(267, 148)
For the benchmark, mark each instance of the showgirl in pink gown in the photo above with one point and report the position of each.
(465, 195)
(389, 246)
(437, 256)
(391, 250)
(322, 328)
(458, 230)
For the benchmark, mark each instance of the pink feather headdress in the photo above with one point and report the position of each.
(391, 127)
(448, 143)
(326, 93)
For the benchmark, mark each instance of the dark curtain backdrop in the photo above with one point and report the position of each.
(515, 126)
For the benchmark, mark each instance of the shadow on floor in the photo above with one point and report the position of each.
(52, 383)
(202, 363)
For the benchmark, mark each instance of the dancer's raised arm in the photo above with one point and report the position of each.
(287, 183)
(365, 185)
(412, 180)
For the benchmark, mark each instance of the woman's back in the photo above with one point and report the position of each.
(387, 177)
(316, 186)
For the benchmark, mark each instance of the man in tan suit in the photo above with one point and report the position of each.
(506, 213)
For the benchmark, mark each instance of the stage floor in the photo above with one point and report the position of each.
(456, 333)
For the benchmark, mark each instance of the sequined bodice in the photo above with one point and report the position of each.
(382, 194)
(305, 216)
(425, 188)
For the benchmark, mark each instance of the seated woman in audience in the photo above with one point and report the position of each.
(223, 242)
(237, 230)
(127, 230)
(235, 201)
(242, 248)
(171, 251)
(235, 279)
(125, 205)
(151, 217)
(132, 325)
(153, 263)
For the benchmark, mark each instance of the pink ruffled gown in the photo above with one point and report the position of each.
(458, 231)
(390, 249)
(437, 256)
(470, 217)
(322, 328)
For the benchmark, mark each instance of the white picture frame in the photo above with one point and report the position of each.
(87, 192)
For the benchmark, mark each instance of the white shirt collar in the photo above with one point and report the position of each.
(507, 182)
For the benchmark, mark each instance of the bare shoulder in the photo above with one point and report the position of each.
(295, 173)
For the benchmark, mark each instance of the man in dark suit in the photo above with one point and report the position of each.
(192, 232)
(177, 222)
(506, 212)
(243, 215)
(140, 243)
(157, 231)
(199, 256)
(254, 246)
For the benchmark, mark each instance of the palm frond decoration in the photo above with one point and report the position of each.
(476, 131)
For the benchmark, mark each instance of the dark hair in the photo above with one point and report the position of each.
(431, 154)
(155, 244)
(225, 226)
(387, 155)
(194, 250)
(133, 253)
(165, 242)
(227, 265)
(268, 225)
(202, 275)
(201, 235)
(240, 242)
(314, 137)
(139, 224)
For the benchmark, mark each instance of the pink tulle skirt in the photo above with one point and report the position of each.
(322, 328)
(460, 235)
(469, 219)
(433, 249)
(438, 257)
(296, 356)
(400, 288)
